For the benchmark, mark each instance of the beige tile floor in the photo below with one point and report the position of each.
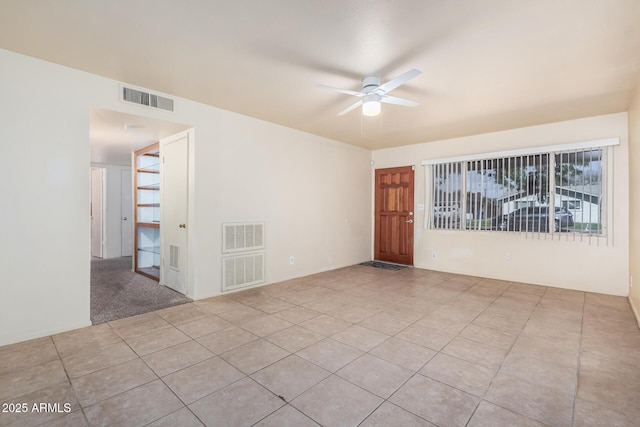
(355, 346)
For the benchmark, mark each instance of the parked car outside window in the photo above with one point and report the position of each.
(537, 219)
(564, 219)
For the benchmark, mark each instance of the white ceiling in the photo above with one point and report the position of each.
(114, 136)
(487, 65)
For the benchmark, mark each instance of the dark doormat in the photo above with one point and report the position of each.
(383, 265)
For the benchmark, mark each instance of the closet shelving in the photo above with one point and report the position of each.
(147, 212)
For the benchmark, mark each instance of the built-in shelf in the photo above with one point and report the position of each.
(149, 224)
(151, 249)
(148, 171)
(147, 215)
(151, 272)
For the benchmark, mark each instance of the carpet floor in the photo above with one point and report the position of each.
(117, 292)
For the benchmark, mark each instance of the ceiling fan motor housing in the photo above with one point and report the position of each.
(370, 83)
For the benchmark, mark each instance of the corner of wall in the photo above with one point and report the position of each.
(636, 313)
(634, 199)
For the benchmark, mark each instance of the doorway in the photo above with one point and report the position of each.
(114, 136)
(394, 218)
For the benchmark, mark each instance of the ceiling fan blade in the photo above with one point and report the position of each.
(398, 101)
(346, 91)
(353, 107)
(400, 80)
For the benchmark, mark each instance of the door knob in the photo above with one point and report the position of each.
(124, 218)
(410, 221)
(182, 225)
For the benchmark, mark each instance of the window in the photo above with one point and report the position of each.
(579, 189)
(575, 205)
(554, 191)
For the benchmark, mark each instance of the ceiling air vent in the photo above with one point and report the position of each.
(145, 98)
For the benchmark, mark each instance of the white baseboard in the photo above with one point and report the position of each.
(14, 339)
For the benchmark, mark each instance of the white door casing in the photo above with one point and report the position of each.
(126, 213)
(97, 199)
(174, 152)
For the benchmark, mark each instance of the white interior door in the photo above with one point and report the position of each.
(173, 204)
(97, 183)
(126, 214)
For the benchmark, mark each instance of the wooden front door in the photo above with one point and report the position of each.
(394, 217)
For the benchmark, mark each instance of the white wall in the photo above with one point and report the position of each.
(113, 200)
(569, 264)
(634, 167)
(45, 187)
(305, 187)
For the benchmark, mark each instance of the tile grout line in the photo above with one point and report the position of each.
(575, 391)
(320, 367)
(417, 372)
(75, 394)
(158, 377)
(286, 403)
(368, 352)
(482, 399)
(436, 353)
(290, 354)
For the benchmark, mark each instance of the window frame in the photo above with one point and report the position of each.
(550, 151)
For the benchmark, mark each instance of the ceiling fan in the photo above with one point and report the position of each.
(373, 93)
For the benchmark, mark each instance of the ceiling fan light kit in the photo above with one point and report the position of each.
(371, 105)
(373, 94)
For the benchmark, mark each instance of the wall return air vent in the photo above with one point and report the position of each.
(243, 254)
(239, 271)
(242, 236)
(148, 99)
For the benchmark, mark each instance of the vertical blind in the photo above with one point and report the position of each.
(545, 194)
